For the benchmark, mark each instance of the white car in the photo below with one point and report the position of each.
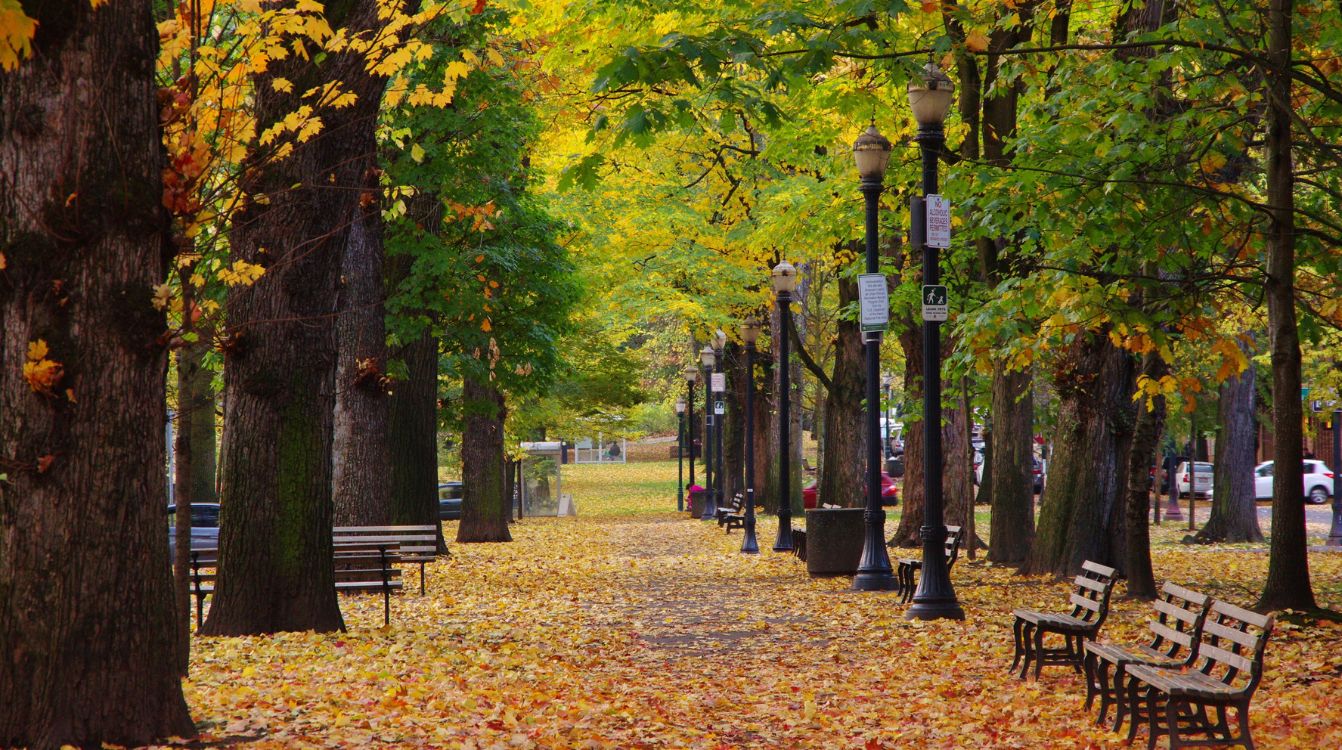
(1318, 484)
(1203, 479)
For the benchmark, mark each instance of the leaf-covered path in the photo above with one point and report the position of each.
(628, 629)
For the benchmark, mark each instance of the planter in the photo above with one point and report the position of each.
(697, 500)
(834, 538)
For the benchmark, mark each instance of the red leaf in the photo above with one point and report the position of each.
(479, 8)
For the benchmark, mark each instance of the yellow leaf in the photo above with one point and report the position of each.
(37, 350)
(282, 85)
(16, 34)
(977, 41)
(416, 153)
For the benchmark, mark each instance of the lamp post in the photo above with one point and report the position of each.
(930, 98)
(691, 374)
(871, 151)
(680, 455)
(719, 419)
(707, 357)
(784, 278)
(1335, 534)
(750, 333)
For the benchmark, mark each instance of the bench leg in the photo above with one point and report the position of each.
(421, 579)
(1172, 716)
(1019, 650)
(1038, 651)
(1092, 681)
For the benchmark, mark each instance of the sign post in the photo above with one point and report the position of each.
(873, 301)
(936, 303)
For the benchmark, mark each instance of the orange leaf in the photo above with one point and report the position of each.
(977, 41)
(44, 463)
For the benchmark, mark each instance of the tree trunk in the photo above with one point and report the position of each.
(412, 436)
(1146, 433)
(1287, 585)
(1234, 514)
(88, 639)
(1011, 530)
(275, 548)
(915, 490)
(764, 407)
(484, 508)
(196, 393)
(1081, 511)
(957, 473)
(361, 461)
(842, 467)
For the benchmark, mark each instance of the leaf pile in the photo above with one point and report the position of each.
(650, 630)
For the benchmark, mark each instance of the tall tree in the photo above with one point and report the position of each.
(1234, 513)
(484, 507)
(1287, 585)
(87, 621)
(275, 524)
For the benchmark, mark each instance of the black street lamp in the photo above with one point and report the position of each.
(784, 279)
(872, 153)
(719, 419)
(1335, 534)
(930, 98)
(680, 455)
(750, 333)
(691, 374)
(707, 358)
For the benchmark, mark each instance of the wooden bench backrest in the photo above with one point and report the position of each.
(1232, 645)
(415, 543)
(1090, 598)
(1177, 625)
(954, 536)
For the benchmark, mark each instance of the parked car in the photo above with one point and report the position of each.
(1036, 471)
(1203, 480)
(204, 526)
(449, 500)
(1317, 487)
(889, 493)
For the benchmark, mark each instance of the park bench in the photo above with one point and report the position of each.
(359, 568)
(1090, 607)
(1175, 629)
(907, 567)
(733, 516)
(412, 544)
(1224, 674)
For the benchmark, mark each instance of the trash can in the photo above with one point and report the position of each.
(698, 500)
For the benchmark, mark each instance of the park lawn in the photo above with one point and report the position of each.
(632, 627)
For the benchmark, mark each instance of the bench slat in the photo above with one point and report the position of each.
(1098, 569)
(1089, 583)
(1182, 638)
(1175, 611)
(1240, 613)
(1247, 640)
(1188, 595)
(1218, 654)
(1085, 603)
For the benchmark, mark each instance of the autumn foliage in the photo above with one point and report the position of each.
(635, 627)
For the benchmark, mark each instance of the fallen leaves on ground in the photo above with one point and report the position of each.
(624, 629)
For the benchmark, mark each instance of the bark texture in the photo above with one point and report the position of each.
(1234, 513)
(842, 465)
(412, 438)
(914, 489)
(361, 461)
(1011, 531)
(1288, 585)
(1137, 486)
(485, 507)
(275, 565)
(1081, 510)
(196, 389)
(88, 643)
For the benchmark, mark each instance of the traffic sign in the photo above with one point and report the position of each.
(936, 305)
(719, 407)
(719, 382)
(874, 302)
(938, 222)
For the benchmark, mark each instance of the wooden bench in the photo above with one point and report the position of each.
(359, 568)
(908, 566)
(1175, 629)
(412, 544)
(1090, 607)
(1224, 674)
(734, 515)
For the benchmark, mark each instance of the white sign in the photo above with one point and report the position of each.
(719, 382)
(935, 303)
(719, 407)
(938, 222)
(874, 301)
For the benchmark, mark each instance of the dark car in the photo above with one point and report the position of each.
(449, 501)
(204, 526)
(889, 493)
